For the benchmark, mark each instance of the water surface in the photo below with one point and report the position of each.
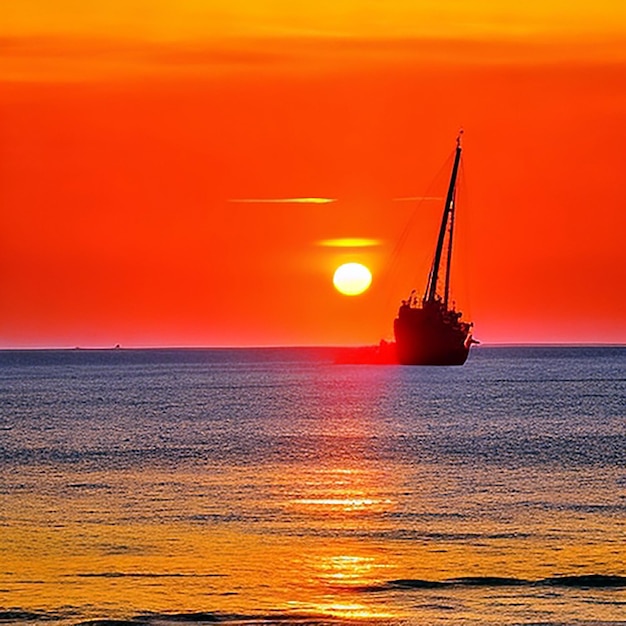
(273, 486)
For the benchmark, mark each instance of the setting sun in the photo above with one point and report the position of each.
(352, 279)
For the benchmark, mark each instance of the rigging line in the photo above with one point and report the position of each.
(466, 241)
(393, 263)
(429, 193)
(446, 293)
(433, 281)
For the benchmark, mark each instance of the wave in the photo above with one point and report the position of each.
(203, 617)
(17, 615)
(586, 581)
(112, 622)
(14, 616)
(143, 575)
(583, 581)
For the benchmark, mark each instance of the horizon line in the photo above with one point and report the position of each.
(482, 345)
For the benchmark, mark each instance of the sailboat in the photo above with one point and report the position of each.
(430, 331)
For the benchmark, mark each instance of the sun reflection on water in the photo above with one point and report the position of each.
(341, 490)
(335, 502)
(347, 504)
(347, 569)
(338, 610)
(345, 493)
(335, 584)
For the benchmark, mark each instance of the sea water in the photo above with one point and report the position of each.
(273, 486)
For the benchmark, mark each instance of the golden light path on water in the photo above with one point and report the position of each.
(124, 562)
(343, 495)
(315, 556)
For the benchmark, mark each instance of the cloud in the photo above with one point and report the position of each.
(80, 57)
(417, 198)
(349, 242)
(283, 200)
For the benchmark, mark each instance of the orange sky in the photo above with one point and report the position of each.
(127, 130)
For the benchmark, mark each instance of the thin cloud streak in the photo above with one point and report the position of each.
(349, 242)
(417, 198)
(283, 200)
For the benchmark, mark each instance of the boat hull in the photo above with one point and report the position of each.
(426, 339)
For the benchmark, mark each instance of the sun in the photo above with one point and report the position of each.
(352, 279)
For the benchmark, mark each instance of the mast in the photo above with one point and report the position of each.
(446, 290)
(431, 289)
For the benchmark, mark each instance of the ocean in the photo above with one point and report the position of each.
(272, 486)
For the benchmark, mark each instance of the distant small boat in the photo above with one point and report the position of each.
(429, 331)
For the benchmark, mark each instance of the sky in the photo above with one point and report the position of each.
(149, 150)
